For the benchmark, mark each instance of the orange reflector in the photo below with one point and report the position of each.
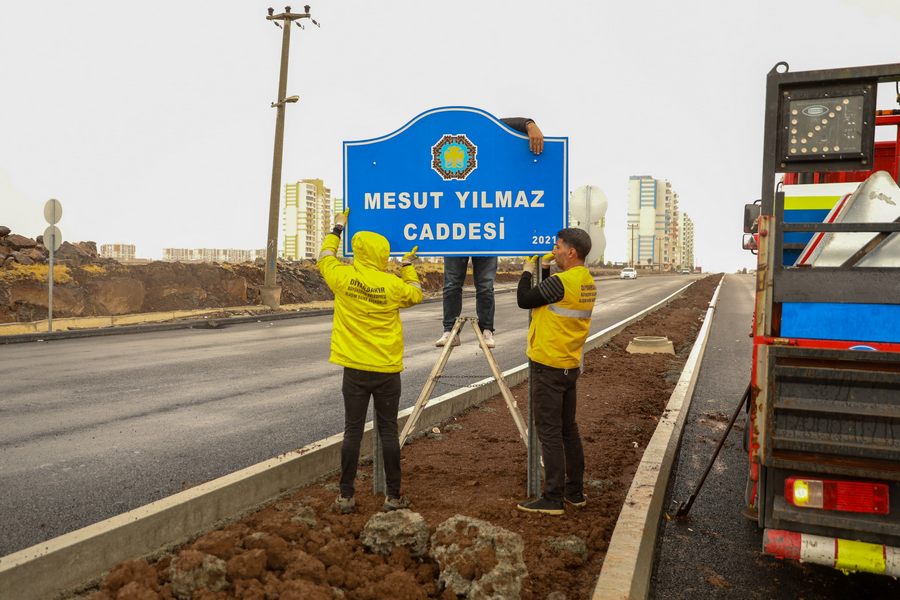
(829, 494)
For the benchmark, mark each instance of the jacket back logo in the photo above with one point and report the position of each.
(453, 157)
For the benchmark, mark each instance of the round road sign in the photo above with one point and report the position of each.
(53, 211)
(52, 237)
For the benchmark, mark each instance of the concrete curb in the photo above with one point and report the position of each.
(628, 564)
(78, 559)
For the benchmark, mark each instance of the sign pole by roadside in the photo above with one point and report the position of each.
(50, 290)
(52, 240)
(534, 450)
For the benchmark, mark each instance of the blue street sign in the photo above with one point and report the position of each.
(457, 181)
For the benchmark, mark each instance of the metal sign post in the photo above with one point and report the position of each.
(50, 286)
(534, 448)
(52, 241)
(379, 480)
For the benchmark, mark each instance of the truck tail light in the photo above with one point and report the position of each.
(828, 494)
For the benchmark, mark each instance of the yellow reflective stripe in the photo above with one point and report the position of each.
(810, 202)
(570, 313)
(325, 253)
(859, 556)
(415, 284)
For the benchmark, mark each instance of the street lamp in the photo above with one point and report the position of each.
(271, 291)
(288, 100)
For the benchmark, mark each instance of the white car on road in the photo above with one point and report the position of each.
(628, 273)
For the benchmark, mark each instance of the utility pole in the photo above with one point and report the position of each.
(271, 292)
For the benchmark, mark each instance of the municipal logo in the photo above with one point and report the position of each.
(453, 157)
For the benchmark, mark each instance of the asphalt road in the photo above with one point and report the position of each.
(93, 427)
(715, 552)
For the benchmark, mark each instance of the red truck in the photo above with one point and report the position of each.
(823, 439)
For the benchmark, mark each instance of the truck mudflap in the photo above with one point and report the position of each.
(841, 554)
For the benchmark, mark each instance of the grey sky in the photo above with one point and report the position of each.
(151, 121)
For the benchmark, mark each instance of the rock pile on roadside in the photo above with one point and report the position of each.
(385, 532)
(478, 560)
(18, 249)
(89, 285)
(327, 556)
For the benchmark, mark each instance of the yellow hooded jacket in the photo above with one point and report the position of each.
(367, 333)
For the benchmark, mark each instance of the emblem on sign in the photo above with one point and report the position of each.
(453, 157)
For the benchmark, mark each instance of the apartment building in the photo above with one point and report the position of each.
(686, 241)
(652, 235)
(119, 252)
(220, 255)
(306, 218)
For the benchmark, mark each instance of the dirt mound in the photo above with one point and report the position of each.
(311, 552)
(109, 288)
(88, 285)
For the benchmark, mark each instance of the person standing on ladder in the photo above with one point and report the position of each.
(562, 305)
(367, 340)
(484, 268)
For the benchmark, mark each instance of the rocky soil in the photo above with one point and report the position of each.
(87, 285)
(463, 536)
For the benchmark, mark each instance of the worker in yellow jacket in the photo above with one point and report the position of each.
(367, 340)
(562, 305)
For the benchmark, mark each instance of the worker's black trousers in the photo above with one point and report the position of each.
(384, 388)
(554, 418)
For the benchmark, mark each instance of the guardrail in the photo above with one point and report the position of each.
(78, 559)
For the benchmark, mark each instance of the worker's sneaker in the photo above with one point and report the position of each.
(488, 336)
(542, 505)
(343, 505)
(442, 341)
(576, 500)
(395, 503)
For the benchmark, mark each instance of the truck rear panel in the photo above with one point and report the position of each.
(832, 414)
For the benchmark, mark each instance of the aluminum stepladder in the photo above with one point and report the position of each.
(527, 433)
(438, 369)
